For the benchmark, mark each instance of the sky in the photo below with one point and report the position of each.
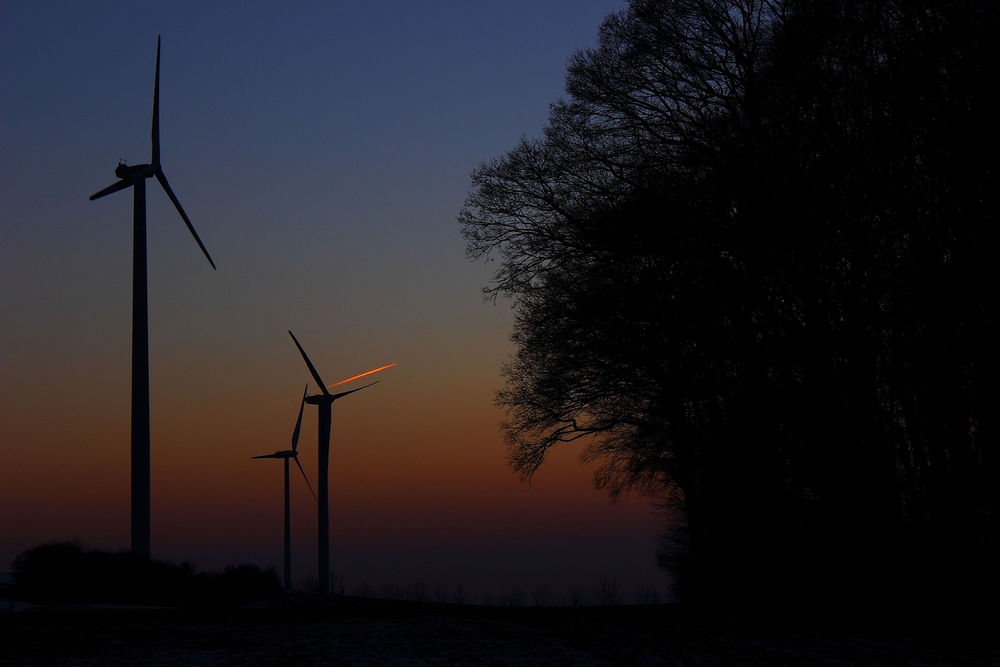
(322, 151)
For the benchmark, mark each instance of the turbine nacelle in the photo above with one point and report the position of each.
(319, 399)
(132, 173)
(327, 399)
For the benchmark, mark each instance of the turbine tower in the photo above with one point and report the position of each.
(135, 177)
(290, 454)
(325, 403)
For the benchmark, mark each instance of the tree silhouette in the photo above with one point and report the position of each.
(750, 263)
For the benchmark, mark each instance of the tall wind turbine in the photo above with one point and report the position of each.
(325, 403)
(290, 454)
(135, 177)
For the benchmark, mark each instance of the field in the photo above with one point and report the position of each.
(371, 632)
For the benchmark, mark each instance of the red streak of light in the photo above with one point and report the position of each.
(360, 375)
(335, 384)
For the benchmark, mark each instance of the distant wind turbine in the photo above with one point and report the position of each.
(325, 403)
(135, 177)
(290, 454)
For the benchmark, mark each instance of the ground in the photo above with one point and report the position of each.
(357, 631)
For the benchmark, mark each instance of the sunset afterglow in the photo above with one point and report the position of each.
(323, 159)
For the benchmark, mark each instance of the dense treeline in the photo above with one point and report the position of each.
(750, 261)
(65, 572)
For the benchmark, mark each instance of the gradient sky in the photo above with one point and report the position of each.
(322, 151)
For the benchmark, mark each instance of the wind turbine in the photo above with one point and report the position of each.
(325, 403)
(290, 454)
(135, 177)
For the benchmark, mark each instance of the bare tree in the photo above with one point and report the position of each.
(608, 590)
(576, 597)
(748, 263)
(540, 595)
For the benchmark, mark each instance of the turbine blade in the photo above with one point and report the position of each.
(267, 456)
(114, 187)
(345, 393)
(298, 422)
(162, 178)
(305, 478)
(155, 133)
(312, 369)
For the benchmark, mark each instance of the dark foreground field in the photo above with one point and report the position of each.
(358, 631)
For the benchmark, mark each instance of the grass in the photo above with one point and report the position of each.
(308, 629)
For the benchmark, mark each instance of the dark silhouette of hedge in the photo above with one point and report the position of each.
(65, 572)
